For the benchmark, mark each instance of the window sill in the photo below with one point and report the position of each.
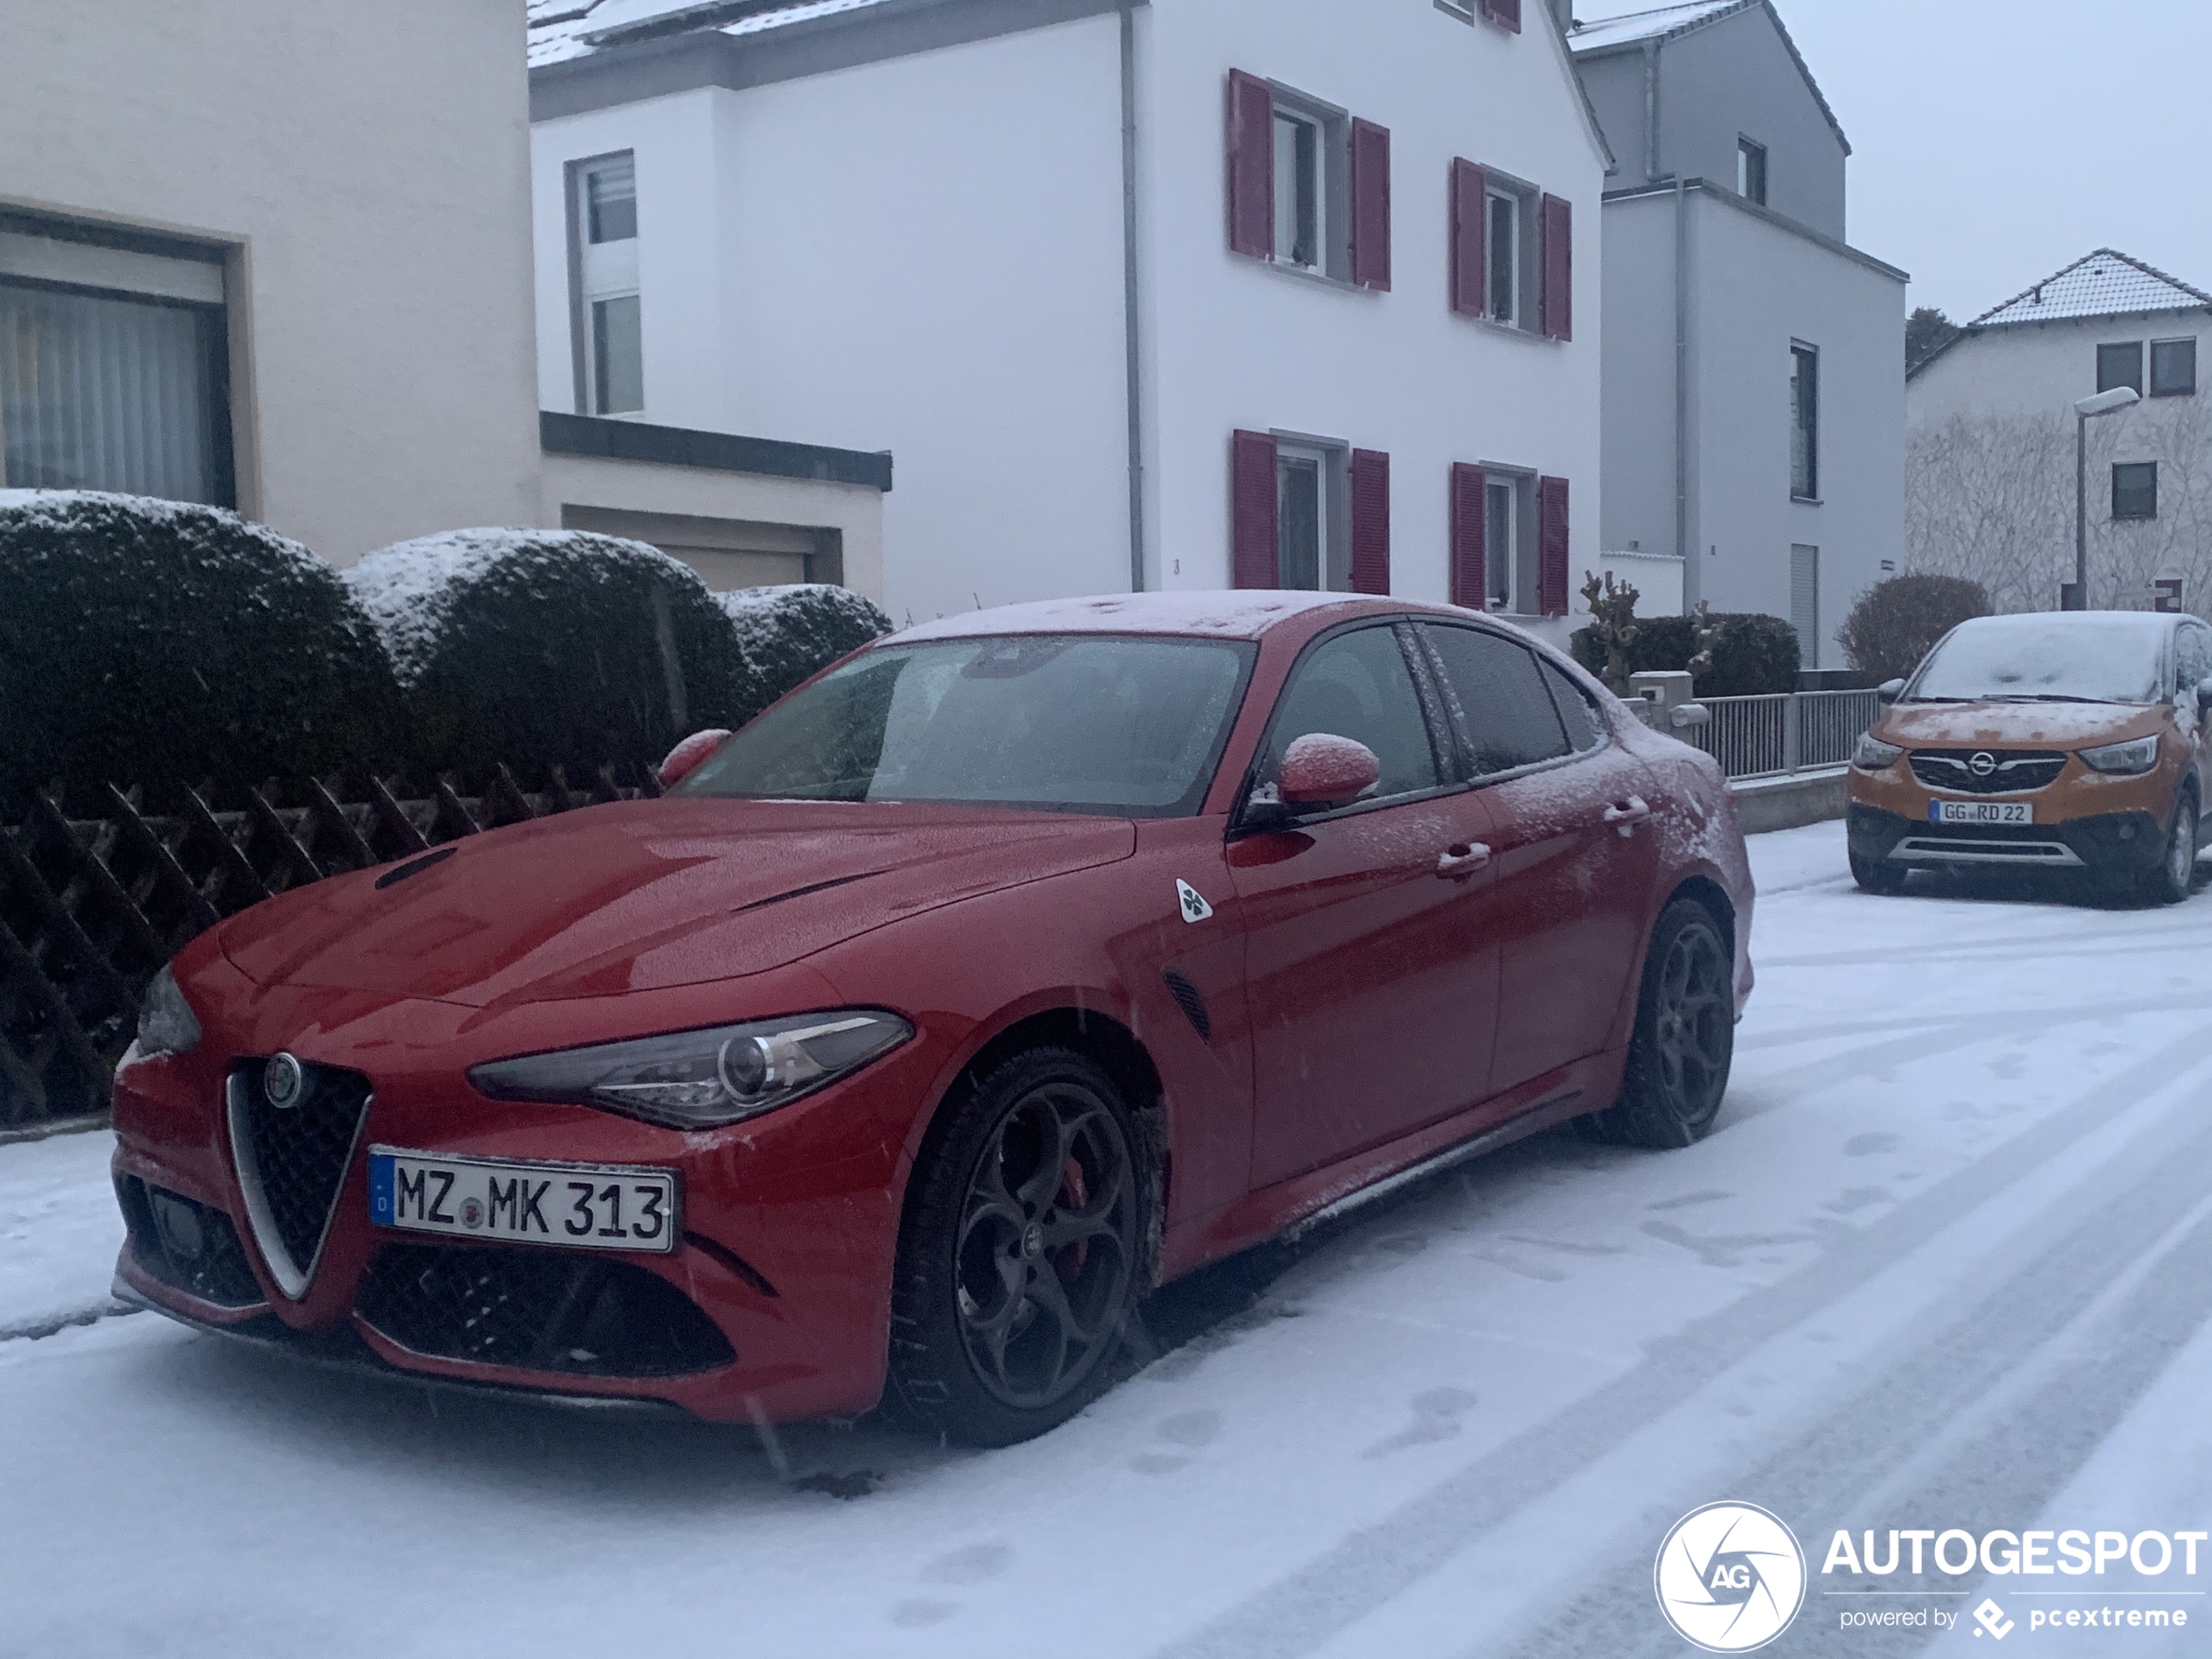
(1512, 329)
(2191, 392)
(1321, 279)
(1797, 500)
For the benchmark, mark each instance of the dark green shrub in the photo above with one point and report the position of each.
(1754, 654)
(162, 643)
(1896, 623)
(790, 634)
(552, 648)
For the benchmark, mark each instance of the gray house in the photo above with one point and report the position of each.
(1754, 375)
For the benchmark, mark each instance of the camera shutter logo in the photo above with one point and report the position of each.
(1730, 1577)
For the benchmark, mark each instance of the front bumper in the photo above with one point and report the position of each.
(2130, 841)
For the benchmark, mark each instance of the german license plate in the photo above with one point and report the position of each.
(1980, 812)
(584, 1206)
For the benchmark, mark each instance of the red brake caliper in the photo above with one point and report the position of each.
(1074, 1193)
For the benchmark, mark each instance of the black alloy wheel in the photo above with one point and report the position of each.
(2170, 881)
(1018, 1262)
(1684, 1038)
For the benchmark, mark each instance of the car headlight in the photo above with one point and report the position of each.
(702, 1079)
(166, 1024)
(2124, 759)
(1873, 754)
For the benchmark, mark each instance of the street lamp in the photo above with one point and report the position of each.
(2076, 597)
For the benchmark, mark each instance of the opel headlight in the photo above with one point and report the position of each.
(702, 1079)
(166, 1024)
(1873, 754)
(2124, 759)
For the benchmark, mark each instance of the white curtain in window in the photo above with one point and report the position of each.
(99, 393)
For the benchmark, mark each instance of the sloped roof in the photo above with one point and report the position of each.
(1663, 23)
(2106, 283)
(563, 29)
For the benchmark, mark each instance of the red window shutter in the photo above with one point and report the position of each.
(1551, 546)
(1559, 268)
(1470, 574)
(1251, 510)
(1504, 12)
(1251, 165)
(1371, 205)
(1470, 226)
(1370, 522)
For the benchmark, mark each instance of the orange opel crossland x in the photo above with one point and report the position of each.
(2064, 741)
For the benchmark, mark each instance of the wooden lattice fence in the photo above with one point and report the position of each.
(96, 894)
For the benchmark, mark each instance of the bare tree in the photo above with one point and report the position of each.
(1992, 500)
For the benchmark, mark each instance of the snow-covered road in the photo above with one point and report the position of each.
(1946, 1263)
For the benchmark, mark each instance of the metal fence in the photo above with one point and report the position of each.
(1761, 737)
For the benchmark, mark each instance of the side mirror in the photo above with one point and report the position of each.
(2204, 694)
(1689, 714)
(1321, 769)
(1890, 691)
(684, 759)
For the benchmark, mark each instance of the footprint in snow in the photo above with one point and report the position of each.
(1857, 1198)
(1437, 1413)
(1687, 1199)
(913, 1613)
(975, 1564)
(1864, 1146)
(1183, 1436)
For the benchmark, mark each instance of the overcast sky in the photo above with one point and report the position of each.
(1996, 140)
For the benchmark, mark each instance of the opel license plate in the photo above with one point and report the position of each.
(1980, 812)
(585, 1206)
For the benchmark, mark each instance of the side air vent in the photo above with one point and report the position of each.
(1193, 1005)
(414, 867)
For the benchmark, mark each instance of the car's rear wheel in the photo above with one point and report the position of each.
(1018, 1262)
(2175, 873)
(1684, 1038)
(1877, 875)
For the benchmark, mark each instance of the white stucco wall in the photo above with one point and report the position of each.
(922, 255)
(1234, 343)
(1757, 287)
(373, 184)
(2041, 369)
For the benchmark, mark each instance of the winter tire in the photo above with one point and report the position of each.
(1684, 1038)
(1019, 1261)
(2175, 874)
(1877, 875)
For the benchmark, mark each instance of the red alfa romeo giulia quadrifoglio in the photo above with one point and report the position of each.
(1011, 967)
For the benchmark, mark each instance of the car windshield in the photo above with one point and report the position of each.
(1078, 723)
(2044, 659)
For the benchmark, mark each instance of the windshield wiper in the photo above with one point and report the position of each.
(2044, 697)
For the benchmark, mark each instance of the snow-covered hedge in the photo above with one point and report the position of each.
(792, 633)
(1755, 654)
(161, 643)
(552, 647)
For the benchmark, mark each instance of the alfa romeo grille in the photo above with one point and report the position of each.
(293, 1160)
(537, 1310)
(1987, 772)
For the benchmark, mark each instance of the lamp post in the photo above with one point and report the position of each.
(2076, 596)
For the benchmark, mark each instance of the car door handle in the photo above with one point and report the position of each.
(1456, 863)
(1626, 815)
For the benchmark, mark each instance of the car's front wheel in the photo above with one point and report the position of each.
(2169, 883)
(1684, 1039)
(1877, 875)
(1018, 1262)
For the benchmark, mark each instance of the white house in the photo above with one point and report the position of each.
(1992, 458)
(1180, 293)
(1754, 360)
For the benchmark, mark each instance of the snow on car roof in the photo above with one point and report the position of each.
(1223, 614)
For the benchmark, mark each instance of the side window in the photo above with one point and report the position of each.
(1585, 728)
(1357, 685)
(1509, 718)
(2195, 654)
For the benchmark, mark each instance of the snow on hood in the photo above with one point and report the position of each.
(1967, 725)
(648, 895)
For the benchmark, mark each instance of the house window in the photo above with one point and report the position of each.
(610, 378)
(1750, 170)
(1805, 603)
(1309, 501)
(114, 364)
(1300, 190)
(2173, 369)
(2135, 489)
(2120, 366)
(1504, 252)
(1501, 540)
(1804, 423)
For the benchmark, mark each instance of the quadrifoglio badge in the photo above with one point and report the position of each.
(1729, 1577)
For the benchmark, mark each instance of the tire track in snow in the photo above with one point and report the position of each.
(1306, 1609)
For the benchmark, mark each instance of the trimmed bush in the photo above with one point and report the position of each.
(162, 643)
(790, 634)
(1896, 623)
(546, 648)
(1754, 653)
